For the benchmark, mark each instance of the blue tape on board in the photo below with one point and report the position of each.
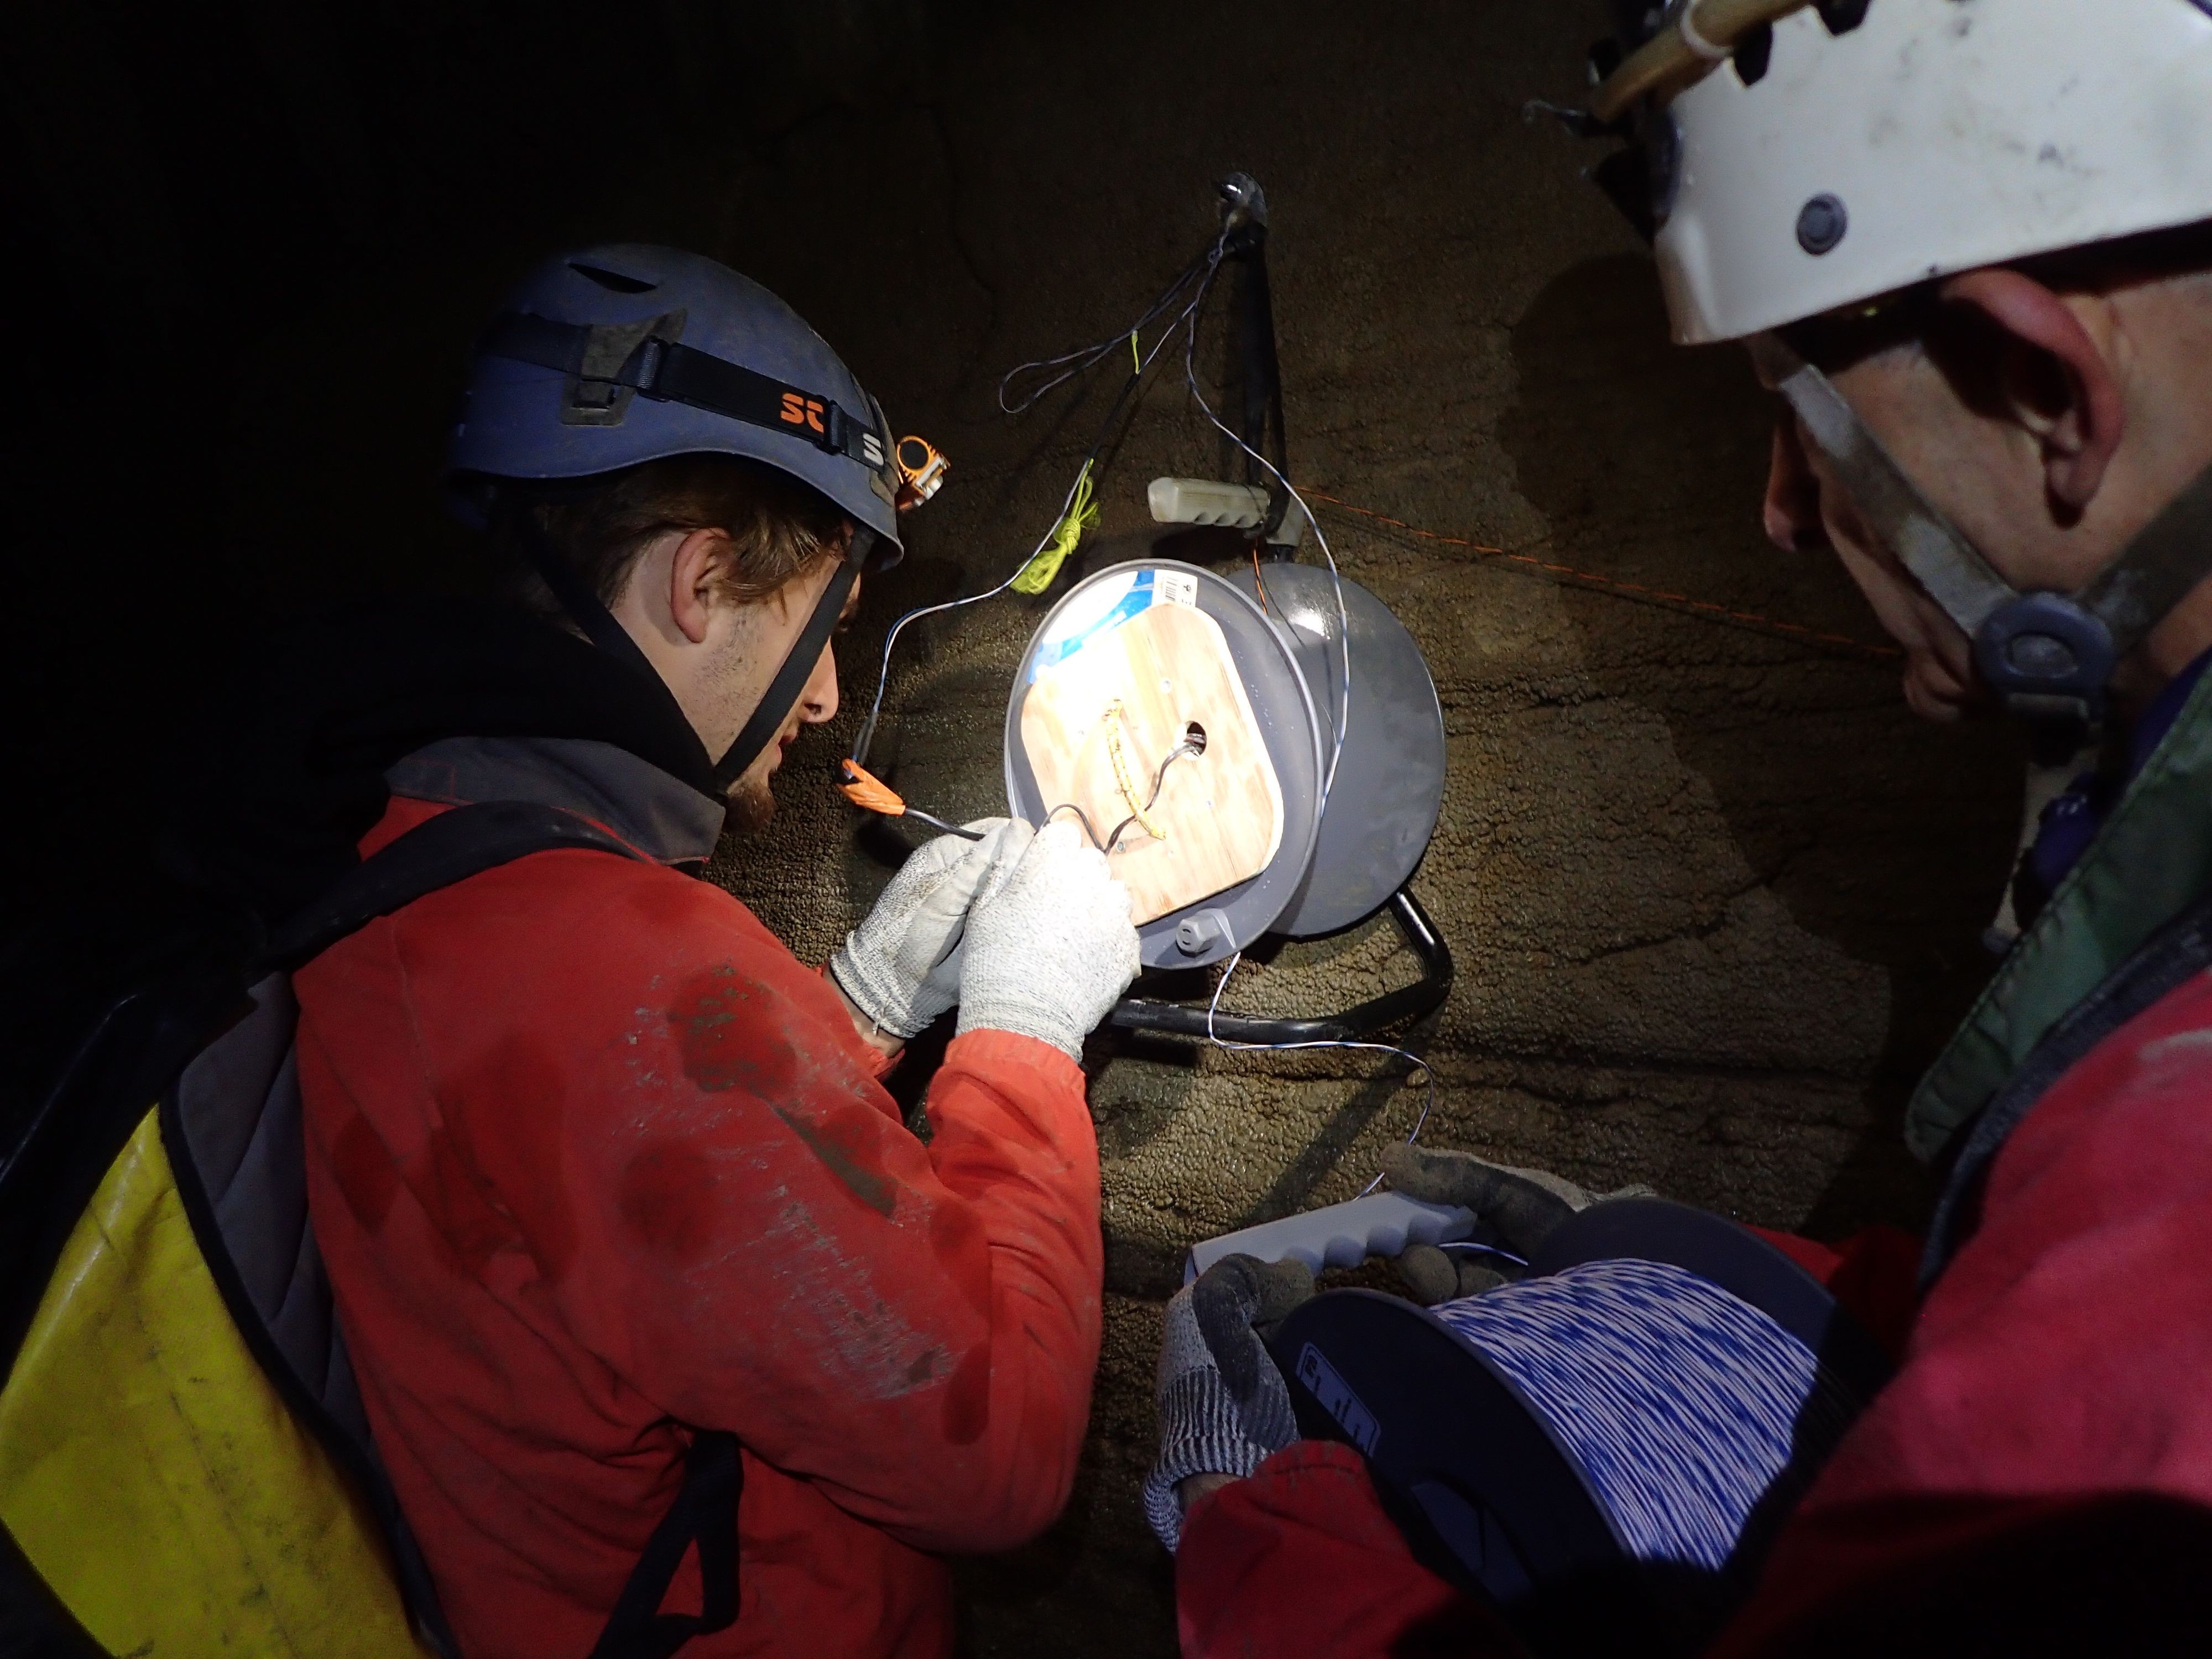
(1054, 652)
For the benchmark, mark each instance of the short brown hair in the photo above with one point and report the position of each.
(782, 528)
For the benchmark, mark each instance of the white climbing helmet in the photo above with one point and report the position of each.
(1866, 145)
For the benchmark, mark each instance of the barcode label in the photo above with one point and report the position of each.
(1176, 587)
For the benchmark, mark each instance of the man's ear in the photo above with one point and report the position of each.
(2057, 374)
(692, 574)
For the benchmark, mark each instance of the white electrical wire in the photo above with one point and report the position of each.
(1090, 356)
(883, 672)
(1343, 726)
(1335, 578)
(1074, 363)
(1428, 1072)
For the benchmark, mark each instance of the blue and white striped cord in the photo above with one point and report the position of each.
(1681, 1405)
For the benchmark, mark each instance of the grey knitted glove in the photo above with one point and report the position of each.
(902, 966)
(1049, 949)
(1518, 1208)
(1223, 1408)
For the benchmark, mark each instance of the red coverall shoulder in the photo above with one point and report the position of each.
(592, 1157)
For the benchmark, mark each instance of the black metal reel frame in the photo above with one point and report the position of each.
(1356, 1023)
(1259, 379)
(1244, 210)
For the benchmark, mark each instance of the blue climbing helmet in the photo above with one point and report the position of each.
(617, 355)
(627, 352)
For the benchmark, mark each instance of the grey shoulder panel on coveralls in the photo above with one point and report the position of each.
(661, 816)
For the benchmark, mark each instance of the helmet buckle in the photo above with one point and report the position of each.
(2048, 658)
(618, 360)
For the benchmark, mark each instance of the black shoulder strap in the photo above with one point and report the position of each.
(458, 843)
(782, 694)
(705, 1512)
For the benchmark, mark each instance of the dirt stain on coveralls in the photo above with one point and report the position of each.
(847, 1155)
(957, 1236)
(671, 1197)
(729, 1032)
(963, 1252)
(968, 1396)
(497, 1174)
(361, 1165)
(728, 1036)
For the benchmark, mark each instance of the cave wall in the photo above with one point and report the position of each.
(1713, 895)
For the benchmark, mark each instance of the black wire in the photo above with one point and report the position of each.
(935, 822)
(1097, 447)
(1088, 357)
(1207, 262)
(1070, 807)
(1159, 779)
(1205, 267)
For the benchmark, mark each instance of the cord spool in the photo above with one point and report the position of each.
(1599, 1449)
(1333, 866)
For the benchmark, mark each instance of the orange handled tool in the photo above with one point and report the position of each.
(872, 794)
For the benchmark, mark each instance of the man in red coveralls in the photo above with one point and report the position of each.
(1970, 243)
(598, 1167)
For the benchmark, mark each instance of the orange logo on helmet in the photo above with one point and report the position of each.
(800, 410)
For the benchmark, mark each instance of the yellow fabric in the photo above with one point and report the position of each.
(153, 1474)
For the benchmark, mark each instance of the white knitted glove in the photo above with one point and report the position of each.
(1223, 1406)
(902, 966)
(1051, 950)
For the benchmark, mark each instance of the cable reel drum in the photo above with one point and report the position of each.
(1346, 849)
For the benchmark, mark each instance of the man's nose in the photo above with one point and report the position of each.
(1793, 493)
(817, 704)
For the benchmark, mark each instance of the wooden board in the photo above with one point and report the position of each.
(1222, 810)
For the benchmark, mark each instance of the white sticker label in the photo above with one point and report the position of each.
(1337, 1398)
(1175, 587)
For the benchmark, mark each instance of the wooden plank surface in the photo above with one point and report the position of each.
(1221, 812)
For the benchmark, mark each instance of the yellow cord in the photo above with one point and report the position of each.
(1123, 779)
(1082, 513)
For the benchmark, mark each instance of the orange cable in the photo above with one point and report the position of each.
(1607, 584)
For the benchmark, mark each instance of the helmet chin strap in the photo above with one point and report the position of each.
(583, 608)
(799, 663)
(2047, 656)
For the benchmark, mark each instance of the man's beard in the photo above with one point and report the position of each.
(751, 806)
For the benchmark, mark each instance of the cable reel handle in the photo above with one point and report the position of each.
(1340, 1236)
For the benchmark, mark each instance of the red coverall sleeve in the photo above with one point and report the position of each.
(2055, 1379)
(746, 1233)
(1300, 1560)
